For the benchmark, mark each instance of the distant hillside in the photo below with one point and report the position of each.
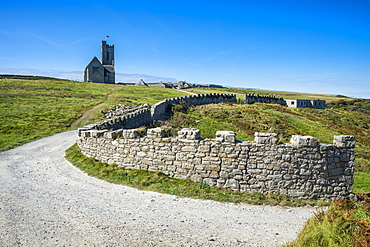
(28, 77)
(359, 105)
(280, 94)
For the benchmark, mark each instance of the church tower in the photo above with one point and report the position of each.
(102, 72)
(107, 53)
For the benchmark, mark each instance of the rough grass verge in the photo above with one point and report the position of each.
(345, 223)
(159, 182)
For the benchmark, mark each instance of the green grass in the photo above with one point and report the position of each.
(159, 182)
(345, 223)
(35, 107)
(362, 182)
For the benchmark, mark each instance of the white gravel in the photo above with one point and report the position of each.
(45, 201)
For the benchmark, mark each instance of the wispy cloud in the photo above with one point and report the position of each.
(50, 42)
(133, 78)
(72, 75)
(160, 24)
(227, 56)
(8, 58)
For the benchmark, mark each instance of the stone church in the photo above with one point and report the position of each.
(101, 72)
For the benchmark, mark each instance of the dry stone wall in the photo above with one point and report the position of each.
(159, 111)
(253, 98)
(301, 169)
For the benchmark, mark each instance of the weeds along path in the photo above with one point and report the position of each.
(191, 93)
(45, 201)
(87, 115)
(90, 114)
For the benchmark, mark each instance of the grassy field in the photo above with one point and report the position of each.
(35, 107)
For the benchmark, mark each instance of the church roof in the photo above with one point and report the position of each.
(110, 68)
(94, 60)
(141, 83)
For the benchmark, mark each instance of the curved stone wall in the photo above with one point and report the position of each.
(301, 169)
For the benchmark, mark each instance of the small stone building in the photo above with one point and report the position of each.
(141, 83)
(296, 103)
(101, 72)
(303, 103)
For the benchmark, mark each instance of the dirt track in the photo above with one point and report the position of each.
(45, 201)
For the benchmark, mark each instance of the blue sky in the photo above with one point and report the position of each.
(304, 46)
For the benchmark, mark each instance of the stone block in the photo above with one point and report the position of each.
(229, 150)
(212, 167)
(169, 157)
(211, 158)
(265, 138)
(190, 134)
(210, 181)
(303, 141)
(337, 171)
(348, 171)
(81, 130)
(204, 148)
(157, 133)
(233, 156)
(130, 133)
(110, 135)
(188, 166)
(214, 174)
(225, 136)
(203, 174)
(295, 193)
(232, 184)
(224, 174)
(241, 167)
(188, 149)
(345, 141)
(98, 133)
(85, 134)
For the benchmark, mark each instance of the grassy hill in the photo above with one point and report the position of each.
(35, 107)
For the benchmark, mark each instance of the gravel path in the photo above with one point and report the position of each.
(45, 201)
